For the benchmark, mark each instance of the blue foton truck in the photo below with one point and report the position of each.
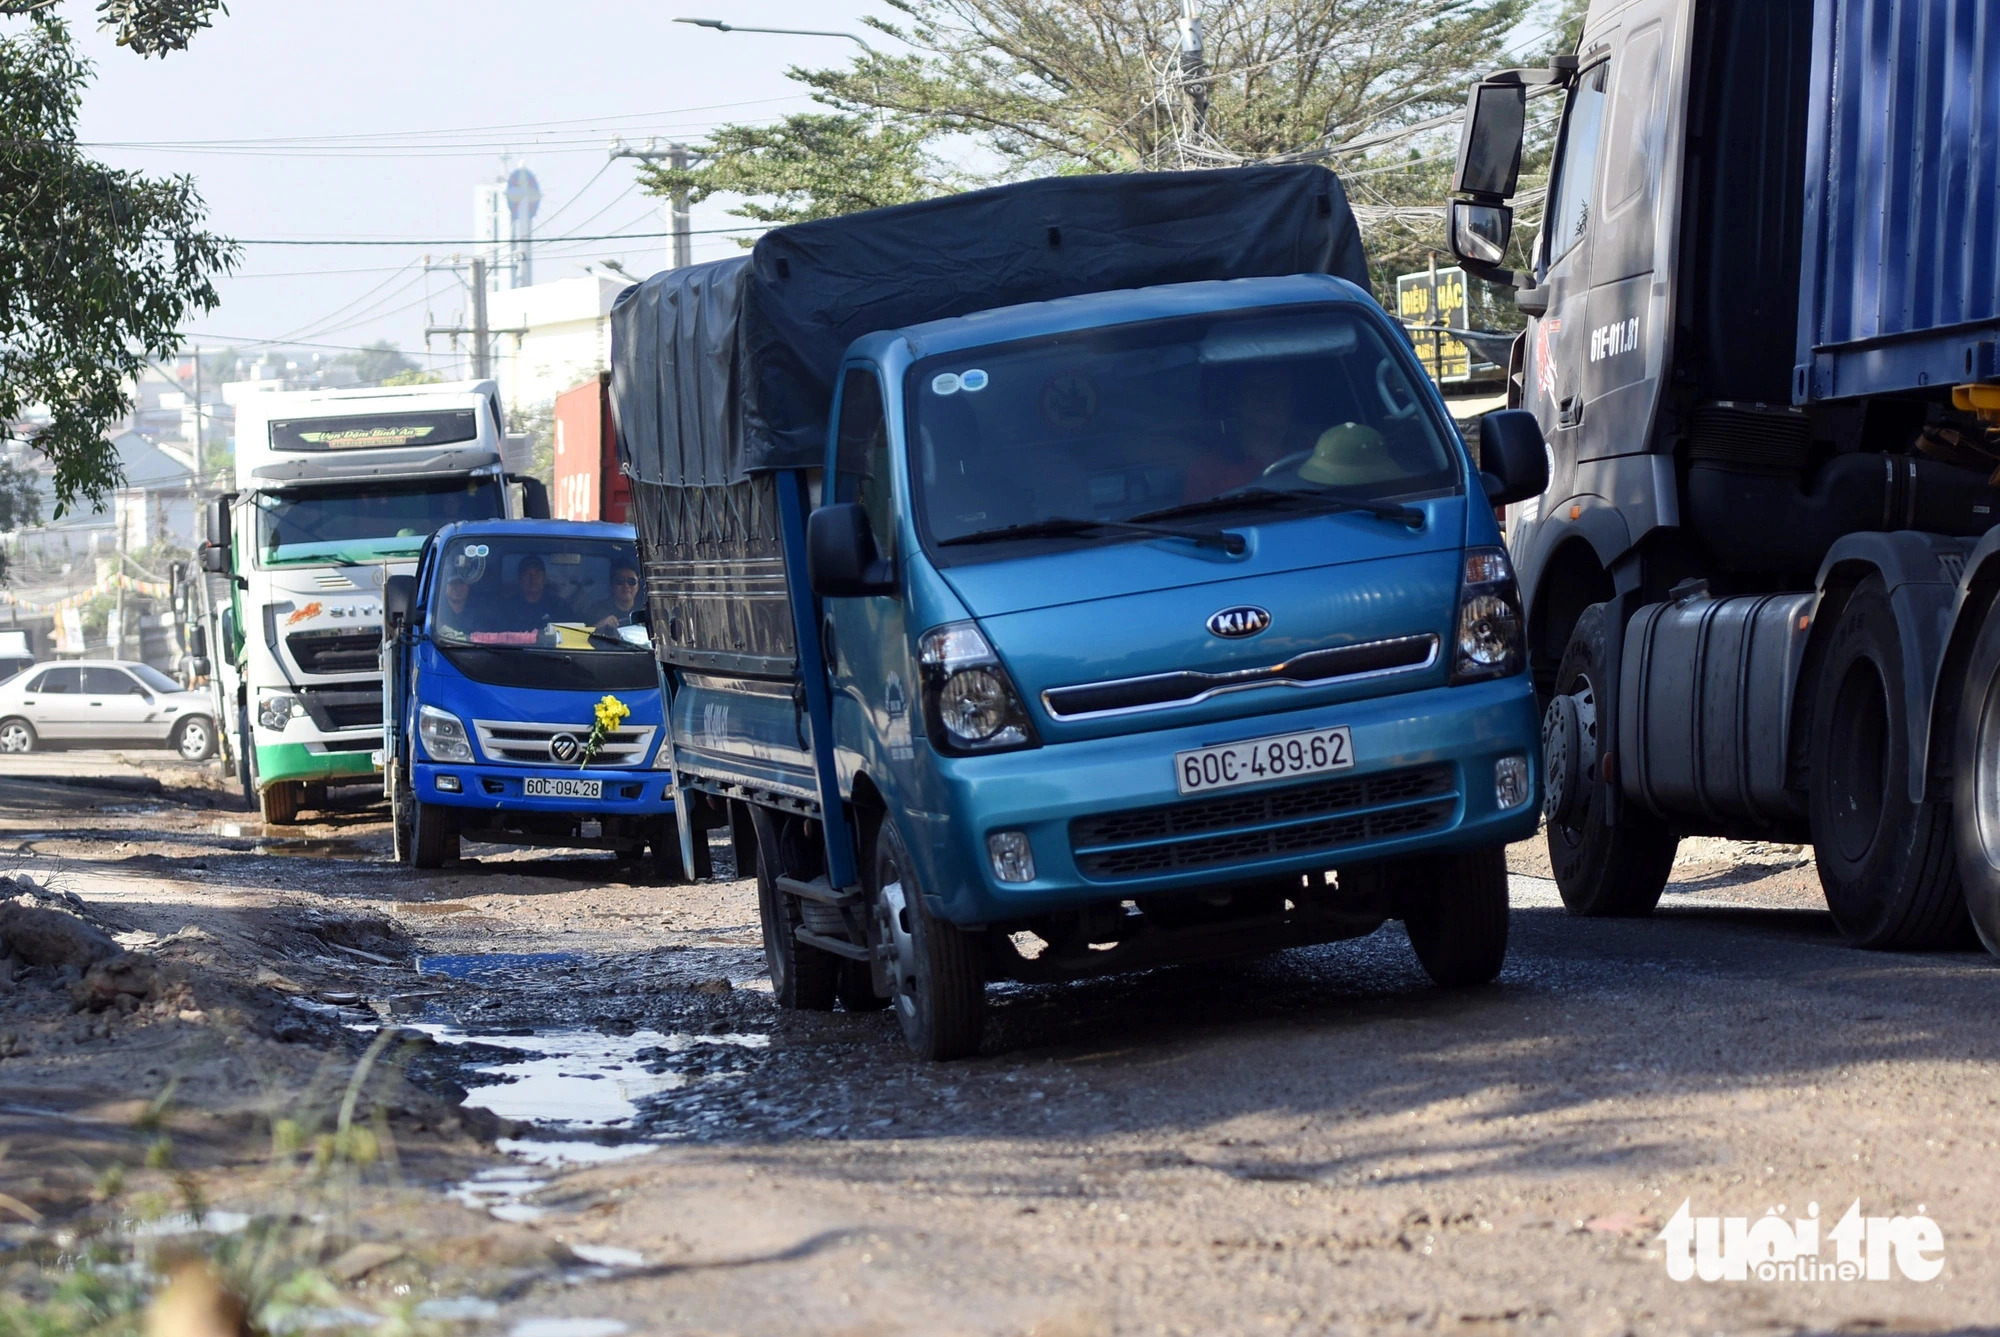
(1070, 577)
(521, 704)
(1764, 342)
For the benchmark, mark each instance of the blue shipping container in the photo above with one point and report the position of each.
(1901, 263)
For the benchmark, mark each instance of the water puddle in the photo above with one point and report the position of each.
(314, 849)
(498, 1193)
(539, 1151)
(581, 1080)
(608, 1255)
(214, 1221)
(567, 1327)
(481, 968)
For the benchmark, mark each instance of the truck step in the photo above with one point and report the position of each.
(838, 946)
(819, 889)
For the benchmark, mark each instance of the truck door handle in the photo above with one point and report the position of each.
(1570, 412)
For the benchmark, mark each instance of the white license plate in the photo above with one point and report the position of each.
(537, 786)
(1259, 760)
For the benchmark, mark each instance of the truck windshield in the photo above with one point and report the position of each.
(533, 611)
(366, 523)
(533, 593)
(1145, 419)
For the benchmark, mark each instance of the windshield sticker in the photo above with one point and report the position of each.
(945, 383)
(1069, 400)
(375, 431)
(973, 381)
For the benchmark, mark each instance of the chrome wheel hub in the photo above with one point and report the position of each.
(897, 947)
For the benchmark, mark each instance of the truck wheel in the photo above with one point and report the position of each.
(936, 971)
(1887, 865)
(433, 840)
(803, 978)
(1454, 907)
(857, 988)
(1601, 869)
(278, 803)
(1975, 798)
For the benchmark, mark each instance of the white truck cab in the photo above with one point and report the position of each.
(335, 492)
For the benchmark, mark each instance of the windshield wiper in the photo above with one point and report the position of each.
(611, 639)
(1270, 498)
(1056, 526)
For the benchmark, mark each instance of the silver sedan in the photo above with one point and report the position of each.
(104, 703)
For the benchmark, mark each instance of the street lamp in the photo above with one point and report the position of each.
(720, 26)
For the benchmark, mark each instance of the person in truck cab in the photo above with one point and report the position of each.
(1261, 429)
(534, 603)
(456, 617)
(623, 608)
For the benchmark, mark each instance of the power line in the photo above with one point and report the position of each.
(487, 241)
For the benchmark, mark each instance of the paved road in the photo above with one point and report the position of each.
(1317, 1141)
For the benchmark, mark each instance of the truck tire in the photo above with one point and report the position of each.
(1975, 782)
(1602, 870)
(1454, 907)
(857, 988)
(937, 978)
(278, 803)
(803, 978)
(433, 839)
(1888, 866)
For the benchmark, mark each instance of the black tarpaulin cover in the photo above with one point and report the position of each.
(726, 369)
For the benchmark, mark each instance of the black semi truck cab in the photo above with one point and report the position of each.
(1764, 308)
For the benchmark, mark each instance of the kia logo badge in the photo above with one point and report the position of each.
(565, 747)
(1244, 621)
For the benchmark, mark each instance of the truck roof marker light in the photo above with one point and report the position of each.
(1576, 512)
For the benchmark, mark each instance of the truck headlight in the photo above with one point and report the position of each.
(1488, 643)
(970, 704)
(275, 712)
(443, 735)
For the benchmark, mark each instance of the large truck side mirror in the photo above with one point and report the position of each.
(198, 641)
(842, 560)
(399, 600)
(1489, 142)
(1488, 168)
(1513, 458)
(215, 552)
(534, 496)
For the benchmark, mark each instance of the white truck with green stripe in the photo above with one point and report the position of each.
(335, 492)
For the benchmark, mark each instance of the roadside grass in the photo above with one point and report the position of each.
(160, 1261)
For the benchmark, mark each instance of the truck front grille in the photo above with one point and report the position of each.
(1321, 818)
(332, 708)
(528, 744)
(339, 650)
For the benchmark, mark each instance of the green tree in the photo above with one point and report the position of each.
(20, 498)
(1032, 87)
(379, 361)
(812, 165)
(413, 376)
(99, 268)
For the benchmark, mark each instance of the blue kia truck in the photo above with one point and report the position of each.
(521, 703)
(1076, 576)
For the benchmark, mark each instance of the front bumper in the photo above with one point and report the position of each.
(1107, 822)
(331, 758)
(627, 792)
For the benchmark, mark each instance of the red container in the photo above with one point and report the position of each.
(588, 482)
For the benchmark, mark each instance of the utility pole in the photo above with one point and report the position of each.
(1194, 68)
(480, 333)
(677, 157)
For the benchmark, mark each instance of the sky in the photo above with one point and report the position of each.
(346, 109)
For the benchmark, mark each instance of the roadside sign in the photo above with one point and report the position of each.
(1440, 298)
